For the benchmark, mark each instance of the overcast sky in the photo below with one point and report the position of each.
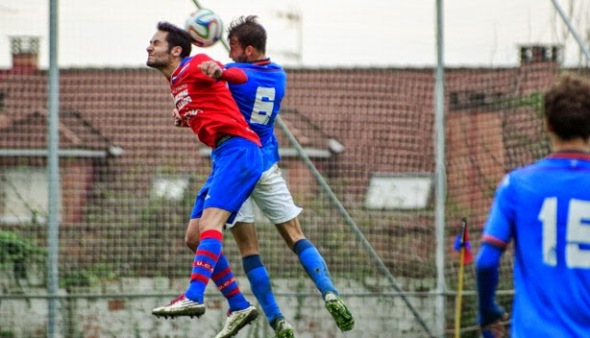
(330, 33)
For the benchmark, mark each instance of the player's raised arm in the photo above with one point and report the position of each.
(232, 75)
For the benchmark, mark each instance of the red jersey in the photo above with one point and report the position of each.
(209, 103)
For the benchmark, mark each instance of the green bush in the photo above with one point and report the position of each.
(20, 252)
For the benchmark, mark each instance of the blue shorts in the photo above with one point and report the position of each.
(236, 168)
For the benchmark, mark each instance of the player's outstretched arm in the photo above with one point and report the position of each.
(232, 75)
(490, 313)
(211, 69)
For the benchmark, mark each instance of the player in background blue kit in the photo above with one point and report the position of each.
(259, 100)
(545, 208)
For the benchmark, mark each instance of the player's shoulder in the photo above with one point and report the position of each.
(267, 65)
(540, 164)
(272, 65)
(193, 61)
(200, 57)
(236, 65)
(524, 171)
(537, 171)
(517, 174)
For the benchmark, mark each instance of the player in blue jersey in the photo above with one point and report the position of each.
(259, 100)
(545, 209)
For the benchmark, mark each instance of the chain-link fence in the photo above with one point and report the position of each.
(362, 167)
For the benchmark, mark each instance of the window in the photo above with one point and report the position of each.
(23, 195)
(170, 187)
(398, 191)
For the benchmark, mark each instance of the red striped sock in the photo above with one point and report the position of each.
(206, 258)
(227, 285)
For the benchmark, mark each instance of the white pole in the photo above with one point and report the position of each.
(572, 30)
(53, 173)
(440, 175)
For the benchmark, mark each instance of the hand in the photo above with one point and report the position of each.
(211, 69)
(497, 329)
(178, 120)
(494, 330)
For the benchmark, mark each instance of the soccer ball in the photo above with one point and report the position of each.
(205, 27)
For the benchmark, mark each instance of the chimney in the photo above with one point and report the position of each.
(540, 53)
(25, 53)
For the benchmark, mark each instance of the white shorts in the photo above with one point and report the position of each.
(272, 197)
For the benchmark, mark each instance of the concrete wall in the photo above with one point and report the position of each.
(103, 313)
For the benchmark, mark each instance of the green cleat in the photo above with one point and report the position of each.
(283, 329)
(339, 311)
(236, 321)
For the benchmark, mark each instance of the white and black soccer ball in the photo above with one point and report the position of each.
(205, 27)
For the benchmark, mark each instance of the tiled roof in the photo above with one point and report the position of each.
(29, 132)
(131, 108)
(370, 112)
(383, 118)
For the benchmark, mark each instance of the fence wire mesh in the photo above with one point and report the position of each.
(128, 179)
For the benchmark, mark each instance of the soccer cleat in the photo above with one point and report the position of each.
(181, 306)
(339, 311)
(284, 330)
(236, 320)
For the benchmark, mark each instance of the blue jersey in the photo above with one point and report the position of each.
(545, 209)
(259, 99)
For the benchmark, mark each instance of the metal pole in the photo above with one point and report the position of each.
(440, 175)
(53, 173)
(572, 30)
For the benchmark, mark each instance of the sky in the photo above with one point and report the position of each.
(325, 33)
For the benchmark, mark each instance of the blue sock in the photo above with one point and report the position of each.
(260, 285)
(315, 266)
(227, 285)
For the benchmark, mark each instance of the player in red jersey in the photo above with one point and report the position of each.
(195, 94)
(207, 107)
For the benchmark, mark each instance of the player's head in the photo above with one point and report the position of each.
(567, 108)
(168, 44)
(247, 39)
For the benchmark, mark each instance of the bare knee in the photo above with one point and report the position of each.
(291, 232)
(191, 237)
(191, 243)
(246, 238)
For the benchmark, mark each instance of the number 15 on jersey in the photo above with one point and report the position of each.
(577, 234)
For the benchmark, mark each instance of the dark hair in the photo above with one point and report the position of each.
(176, 37)
(567, 107)
(248, 32)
